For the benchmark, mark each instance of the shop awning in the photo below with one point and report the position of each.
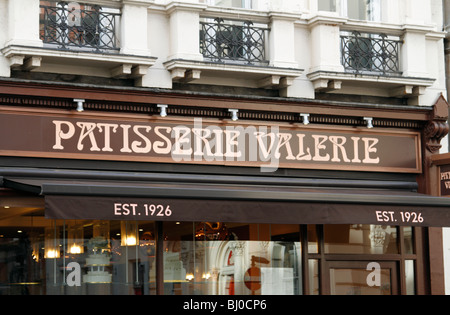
(236, 199)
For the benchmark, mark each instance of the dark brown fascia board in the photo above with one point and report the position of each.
(196, 99)
(440, 159)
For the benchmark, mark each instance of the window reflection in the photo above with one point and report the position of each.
(360, 239)
(76, 257)
(353, 281)
(228, 259)
(313, 239)
(205, 258)
(408, 239)
(313, 266)
(409, 277)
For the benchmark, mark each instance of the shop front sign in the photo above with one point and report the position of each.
(444, 176)
(208, 142)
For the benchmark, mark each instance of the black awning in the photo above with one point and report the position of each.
(222, 200)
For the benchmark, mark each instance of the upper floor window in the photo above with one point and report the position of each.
(365, 10)
(233, 41)
(245, 4)
(327, 5)
(77, 25)
(369, 10)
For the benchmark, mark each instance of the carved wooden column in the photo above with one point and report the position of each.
(434, 131)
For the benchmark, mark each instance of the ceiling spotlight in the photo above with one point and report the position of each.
(369, 122)
(305, 119)
(162, 110)
(234, 114)
(79, 104)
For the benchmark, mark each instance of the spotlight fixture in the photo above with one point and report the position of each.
(369, 122)
(162, 110)
(305, 119)
(79, 104)
(234, 114)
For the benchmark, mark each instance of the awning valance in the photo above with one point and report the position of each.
(228, 199)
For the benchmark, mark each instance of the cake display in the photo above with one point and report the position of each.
(98, 262)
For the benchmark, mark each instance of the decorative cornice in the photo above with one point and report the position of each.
(210, 112)
(437, 128)
(26, 93)
(434, 132)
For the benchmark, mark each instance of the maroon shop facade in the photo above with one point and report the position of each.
(162, 192)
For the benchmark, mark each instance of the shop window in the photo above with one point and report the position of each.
(409, 277)
(55, 257)
(408, 239)
(39, 256)
(360, 239)
(350, 256)
(352, 279)
(364, 10)
(313, 239)
(313, 272)
(229, 258)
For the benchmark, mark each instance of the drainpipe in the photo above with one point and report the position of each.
(446, 26)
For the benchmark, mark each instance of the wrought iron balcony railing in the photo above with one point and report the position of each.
(72, 25)
(370, 53)
(233, 41)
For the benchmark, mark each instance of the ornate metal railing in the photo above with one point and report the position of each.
(370, 53)
(233, 41)
(72, 25)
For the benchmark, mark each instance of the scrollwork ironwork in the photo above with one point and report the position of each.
(70, 27)
(240, 41)
(371, 53)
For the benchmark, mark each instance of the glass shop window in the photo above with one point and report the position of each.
(59, 257)
(39, 256)
(232, 259)
(360, 239)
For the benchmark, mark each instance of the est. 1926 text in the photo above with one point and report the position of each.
(148, 210)
(400, 216)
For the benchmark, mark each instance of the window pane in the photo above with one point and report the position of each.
(229, 3)
(313, 240)
(364, 9)
(408, 234)
(360, 239)
(353, 281)
(357, 9)
(228, 259)
(327, 5)
(313, 266)
(409, 277)
(41, 256)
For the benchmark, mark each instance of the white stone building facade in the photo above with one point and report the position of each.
(374, 52)
(156, 43)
